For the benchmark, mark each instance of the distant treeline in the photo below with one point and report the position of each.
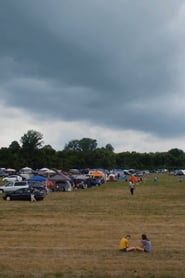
(83, 153)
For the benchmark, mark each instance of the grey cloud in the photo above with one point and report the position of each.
(92, 61)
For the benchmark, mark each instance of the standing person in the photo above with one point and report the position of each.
(146, 245)
(132, 187)
(33, 195)
(155, 180)
(124, 244)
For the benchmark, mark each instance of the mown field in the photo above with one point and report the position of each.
(77, 234)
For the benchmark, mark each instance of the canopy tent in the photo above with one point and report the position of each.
(37, 178)
(10, 170)
(180, 172)
(61, 181)
(46, 172)
(59, 177)
(80, 177)
(64, 185)
(111, 177)
(96, 174)
(43, 169)
(42, 180)
(74, 171)
(26, 170)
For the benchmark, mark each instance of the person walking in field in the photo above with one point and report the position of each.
(124, 244)
(146, 245)
(32, 195)
(132, 183)
(132, 187)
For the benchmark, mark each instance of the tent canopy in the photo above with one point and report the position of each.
(37, 178)
(59, 177)
(96, 173)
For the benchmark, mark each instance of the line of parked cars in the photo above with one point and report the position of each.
(17, 187)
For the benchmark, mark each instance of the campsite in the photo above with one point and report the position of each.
(77, 233)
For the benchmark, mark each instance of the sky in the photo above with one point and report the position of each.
(110, 70)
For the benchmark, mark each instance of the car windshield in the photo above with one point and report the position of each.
(8, 184)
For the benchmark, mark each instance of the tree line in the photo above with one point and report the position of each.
(82, 154)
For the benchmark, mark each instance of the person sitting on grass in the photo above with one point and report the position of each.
(146, 245)
(124, 244)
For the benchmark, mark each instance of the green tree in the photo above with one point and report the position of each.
(32, 140)
(88, 144)
(47, 157)
(85, 144)
(103, 158)
(175, 158)
(31, 144)
(14, 146)
(109, 147)
(71, 159)
(73, 145)
(5, 158)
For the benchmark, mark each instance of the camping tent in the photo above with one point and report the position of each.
(26, 170)
(37, 178)
(96, 173)
(112, 177)
(42, 180)
(61, 182)
(59, 177)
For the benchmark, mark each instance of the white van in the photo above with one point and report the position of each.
(13, 185)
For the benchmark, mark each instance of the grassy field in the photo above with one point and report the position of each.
(77, 234)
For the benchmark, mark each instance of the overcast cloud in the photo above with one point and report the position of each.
(110, 70)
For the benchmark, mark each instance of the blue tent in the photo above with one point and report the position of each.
(37, 178)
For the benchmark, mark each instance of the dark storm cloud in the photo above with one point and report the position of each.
(111, 62)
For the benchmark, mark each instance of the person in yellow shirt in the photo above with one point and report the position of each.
(124, 244)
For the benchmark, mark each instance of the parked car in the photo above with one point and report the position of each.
(24, 194)
(12, 178)
(13, 185)
(94, 182)
(81, 183)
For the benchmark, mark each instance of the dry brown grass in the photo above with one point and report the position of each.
(76, 234)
